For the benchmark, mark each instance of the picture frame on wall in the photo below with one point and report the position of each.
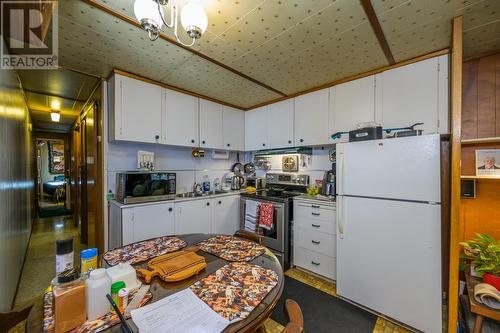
(488, 162)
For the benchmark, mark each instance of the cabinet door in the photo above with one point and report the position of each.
(211, 125)
(352, 103)
(256, 125)
(410, 95)
(226, 215)
(127, 226)
(280, 119)
(233, 128)
(138, 109)
(193, 217)
(311, 118)
(181, 119)
(153, 221)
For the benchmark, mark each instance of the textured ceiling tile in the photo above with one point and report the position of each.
(222, 51)
(416, 27)
(326, 23)
(482, 40)
(246, 35)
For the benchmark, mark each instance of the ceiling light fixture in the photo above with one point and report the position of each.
(151, 16)
(55, 104)
(55, 116)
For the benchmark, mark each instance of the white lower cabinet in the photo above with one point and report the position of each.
(145, 222)
(314, 241)
(225, 215)
(219, 215)
(193, 216)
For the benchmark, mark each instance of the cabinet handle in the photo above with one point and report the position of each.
(192, 141)
(220, 202)
(229, 145)
(315, 263)
(208, 203)
(315, 206)
(301, 140)
(316, 214)
(170, 209)
(157, 137)
(315, 242)
(315, 225)
(263, 144)
(203, 142)
(289, 141)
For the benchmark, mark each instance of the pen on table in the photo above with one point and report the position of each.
(125, 326)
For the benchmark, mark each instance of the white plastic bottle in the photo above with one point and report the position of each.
(96, 287)
(205, 184)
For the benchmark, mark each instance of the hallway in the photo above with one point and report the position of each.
(39, 267)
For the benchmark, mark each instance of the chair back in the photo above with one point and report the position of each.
(10, 319)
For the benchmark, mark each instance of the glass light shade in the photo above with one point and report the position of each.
(55, 116)
(148, 10)
(193, 15)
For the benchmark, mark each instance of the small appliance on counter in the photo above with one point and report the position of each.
(237, 182)
(258, 182)
(145, 186)
(328, 183)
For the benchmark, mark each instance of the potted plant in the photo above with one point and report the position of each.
(483, 252)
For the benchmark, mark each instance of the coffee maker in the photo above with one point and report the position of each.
(328, 184)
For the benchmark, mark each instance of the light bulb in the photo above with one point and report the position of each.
(147, 13)
(55, 104)
(194, 20)
(55, 116)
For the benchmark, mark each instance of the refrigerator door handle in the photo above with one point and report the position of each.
(340, 176)
(340, 220)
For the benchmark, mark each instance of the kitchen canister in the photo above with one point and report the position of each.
(64, 255)
(89, 260)
(97, 286)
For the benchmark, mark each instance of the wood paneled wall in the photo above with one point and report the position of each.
(481, 119)
(481, 98)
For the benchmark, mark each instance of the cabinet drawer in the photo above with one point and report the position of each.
(315, 241)
(315, 225)
(315, 262)
(317, 211)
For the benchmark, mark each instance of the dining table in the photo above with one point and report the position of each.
(161, 289)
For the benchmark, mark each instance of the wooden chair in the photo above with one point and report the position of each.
(11, 319)
(294, 316)
(252, 236)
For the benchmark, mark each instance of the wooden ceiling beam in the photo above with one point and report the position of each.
(377, 28)
(133, 22)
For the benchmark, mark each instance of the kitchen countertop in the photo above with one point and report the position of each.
(316, 199)
(203, 197)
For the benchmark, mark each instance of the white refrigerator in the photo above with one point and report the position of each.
(389, 228)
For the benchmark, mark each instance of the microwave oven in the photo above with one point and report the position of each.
(138, 186)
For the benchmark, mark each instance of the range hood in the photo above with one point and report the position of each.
(284, 151)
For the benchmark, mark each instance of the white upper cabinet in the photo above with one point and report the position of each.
(351, 103)
(311, 118)
(180, 118)
(211, 135)
(280, 118)
(135, 110)
(233, 128)
(410, 94)
(256, 125)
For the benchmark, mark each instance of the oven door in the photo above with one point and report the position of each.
(275, 237)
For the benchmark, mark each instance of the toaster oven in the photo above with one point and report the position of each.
(138, 186)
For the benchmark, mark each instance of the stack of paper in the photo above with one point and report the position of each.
(182, 312)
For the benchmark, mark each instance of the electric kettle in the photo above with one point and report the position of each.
(237, 182)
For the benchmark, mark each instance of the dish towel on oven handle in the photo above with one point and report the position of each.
(251, 214)
(266, 215)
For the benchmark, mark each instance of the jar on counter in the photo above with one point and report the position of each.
(97, 286)
(115, 290)
(89, 260)
(64, 255)
(69, 301)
